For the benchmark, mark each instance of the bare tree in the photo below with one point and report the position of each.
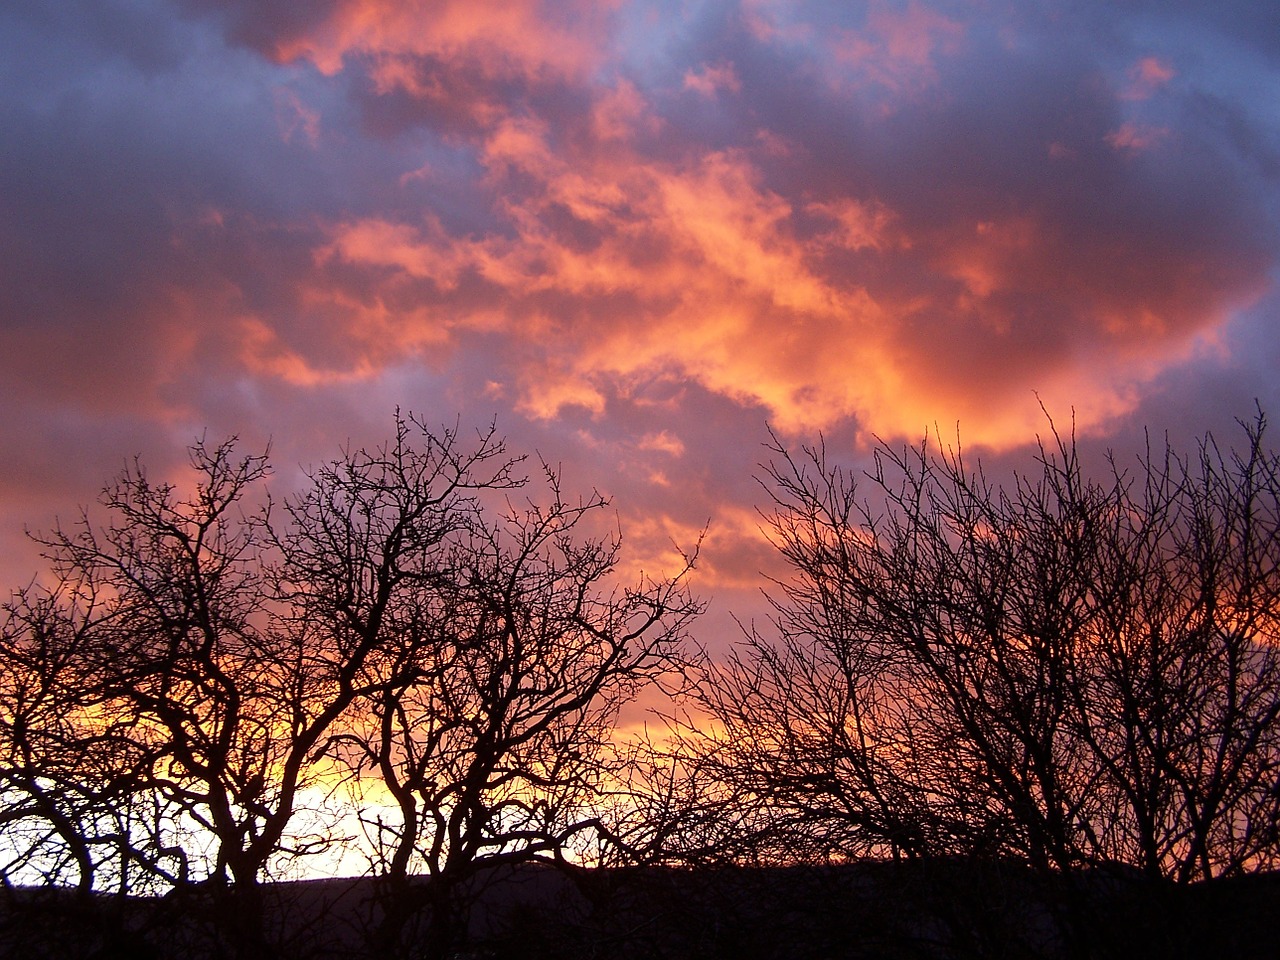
(177, 645)
(168, 645)
(206, 664)
(1061, 670)
(491, 726)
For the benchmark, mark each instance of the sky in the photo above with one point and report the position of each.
(637, 233)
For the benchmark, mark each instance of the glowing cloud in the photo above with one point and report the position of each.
(522, 37)
(650, 227)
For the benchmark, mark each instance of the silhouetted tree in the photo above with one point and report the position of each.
(202, 665)
(70, 810)
(180, 666)
(1061, 670)
(490, 724)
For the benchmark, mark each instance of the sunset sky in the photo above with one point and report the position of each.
(636, 232)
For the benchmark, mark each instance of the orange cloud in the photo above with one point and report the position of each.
(861, 225)
(619, 112)
(422, 252)
(661, 225)
(699, 269)
(997, 255)
(519, 37)
(734, 551)
(264, 354)
(719, 286)
(663, 442)
(613, 267)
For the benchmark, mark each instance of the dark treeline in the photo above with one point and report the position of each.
(1063, 688)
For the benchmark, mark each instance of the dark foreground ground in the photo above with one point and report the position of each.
(931, 911)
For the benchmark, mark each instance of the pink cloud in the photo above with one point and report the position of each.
(664, 442)
(521, 37)
(709, 80)
(296, 118)
(1146, 77)
(637, 240)
(1132, 137)
(699, 269)
(896, 47)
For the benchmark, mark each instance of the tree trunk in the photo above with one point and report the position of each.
(241, 917)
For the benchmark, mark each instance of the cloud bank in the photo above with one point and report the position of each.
(635, 232)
